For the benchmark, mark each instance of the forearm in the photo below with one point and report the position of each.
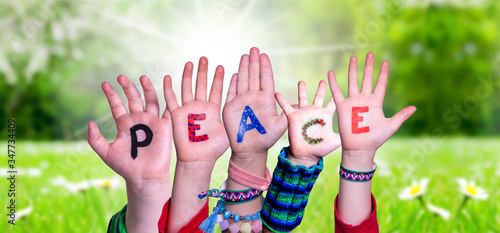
(307, 162)
(254, 163)
(191, 178)
(354, 200)
(145, 203)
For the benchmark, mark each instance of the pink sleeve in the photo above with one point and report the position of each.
(368, 225)
(192, 225)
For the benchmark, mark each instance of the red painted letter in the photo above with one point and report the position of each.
(192, 127)
(356, 119)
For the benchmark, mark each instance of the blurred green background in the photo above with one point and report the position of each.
(444, 58)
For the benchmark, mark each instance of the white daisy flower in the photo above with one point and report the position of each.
(59, 181)
(30, 172)
(33, 172)
(78, 187)
(108, 183)
(70, 186)
(24, 212)
(439, 211)
(415, 190)
(470, 189)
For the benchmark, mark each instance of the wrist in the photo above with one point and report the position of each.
(254, 163)
(307, 161)
(145, 200)
(148, 188)
(199, 167)
(197, 174)
(359, 160)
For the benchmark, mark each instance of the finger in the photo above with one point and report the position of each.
(283, 104)
(331, 105)
(242, 84)
(231, 92)
(133, 96)
(302, 95)
(353, 77)
(367, 85)
(152, 105)
(187, 85)
(320, 94)
(115, 102)
(169, 94)
(266, 74)
(382, 81)
(254, 71)
(295, 106)
(282, 123)
(334, 88)
(201, 79)
(97, 141)
(397, 120)
(217, 86)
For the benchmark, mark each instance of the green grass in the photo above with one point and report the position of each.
(400, 161)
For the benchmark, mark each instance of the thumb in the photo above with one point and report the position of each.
(97, 141)
(397, 120)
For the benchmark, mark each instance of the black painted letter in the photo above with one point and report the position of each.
(135, 143)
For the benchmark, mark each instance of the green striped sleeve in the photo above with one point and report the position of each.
(117, 222)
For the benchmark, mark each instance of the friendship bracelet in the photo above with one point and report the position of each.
(232, 196)
(237, 197)
(222, 216)
(248, 179)
(356, 176)
(288, 193)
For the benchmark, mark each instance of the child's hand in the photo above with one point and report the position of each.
(152, 161)
(310, 129)
(200, 139)
(362, 124)
(251, 98)
(199, 135)
(140, 153)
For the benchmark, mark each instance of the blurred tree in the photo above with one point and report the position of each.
(53, 57)
(55, 54)
(442, 62)
(41, 54)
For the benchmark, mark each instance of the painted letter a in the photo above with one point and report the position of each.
(248, 113)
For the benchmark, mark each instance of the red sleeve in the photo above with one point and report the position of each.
(191, 227)
(368, 225)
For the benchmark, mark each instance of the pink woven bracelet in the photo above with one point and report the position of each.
(248, 179)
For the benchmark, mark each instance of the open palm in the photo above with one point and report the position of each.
(362, 124)
(152, 161)
(209, 141)
(310, 128)
(253, 88)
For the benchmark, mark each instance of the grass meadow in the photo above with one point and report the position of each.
(56, 208)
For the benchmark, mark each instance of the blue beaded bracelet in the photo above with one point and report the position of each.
(221, 209)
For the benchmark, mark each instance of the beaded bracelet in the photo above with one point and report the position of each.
(222, 216)
(287, 197)
(256, 225)
(356, 176)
